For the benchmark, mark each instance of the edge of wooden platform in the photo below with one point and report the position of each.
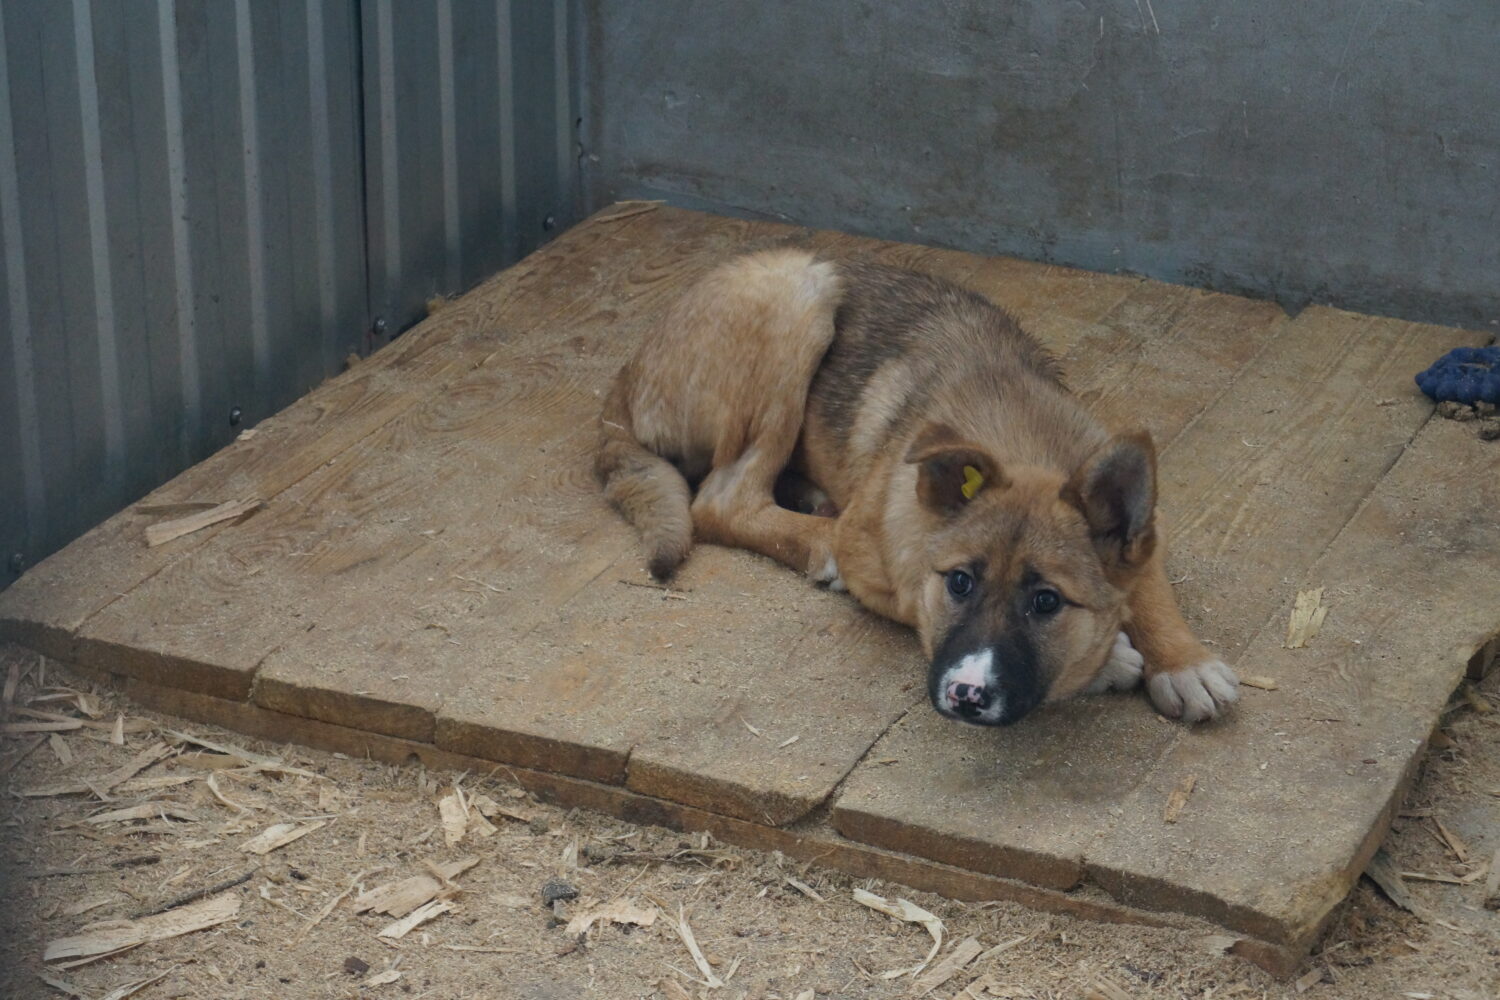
(813, 841)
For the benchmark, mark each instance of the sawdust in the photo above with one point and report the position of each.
(765, 927)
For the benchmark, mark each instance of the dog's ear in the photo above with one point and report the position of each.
(1115, 488)
(951, 471)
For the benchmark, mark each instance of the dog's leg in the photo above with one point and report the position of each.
(1184, 679)
(735, 507)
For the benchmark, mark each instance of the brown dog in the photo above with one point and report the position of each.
(977, 500)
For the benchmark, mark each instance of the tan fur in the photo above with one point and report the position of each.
(881, 387)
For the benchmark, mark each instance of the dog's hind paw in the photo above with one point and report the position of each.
(828, 575)
(1122, 671)
(1195, 693)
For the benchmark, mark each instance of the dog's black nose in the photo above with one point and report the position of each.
(968, 700)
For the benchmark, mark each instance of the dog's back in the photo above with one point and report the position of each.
(909, 349)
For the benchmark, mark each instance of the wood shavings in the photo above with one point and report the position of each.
(685, 932)
(415, 919)
(1383, 872)
(1178, 799)
(105, 782)
(397, 899)
(1308, 612)
(454, 813)
(911, 913)
(117, 734)
(1105, 989)
(119, 936)
(627, 210)
(278, 836)
(145, 810)
(1492, 884)
(22, 728)
(382, 978)
(1450, 839)
(60, 749)
(787, 742)
(256, 760)
(197, 894)
(805, 889)
(1263, 683)
(1309, 979)
(956, 960)
(165, 531)
(616, 911)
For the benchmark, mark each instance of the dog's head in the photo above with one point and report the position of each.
(1030, 570)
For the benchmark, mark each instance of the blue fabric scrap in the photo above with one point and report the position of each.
(1464, 375)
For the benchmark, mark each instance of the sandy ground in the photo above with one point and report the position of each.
(79, 861)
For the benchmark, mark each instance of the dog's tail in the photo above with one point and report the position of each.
(646, 488)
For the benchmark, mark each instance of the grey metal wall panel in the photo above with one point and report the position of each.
(181, 237)
(190, 229)
(1342, 153)
(469, 142)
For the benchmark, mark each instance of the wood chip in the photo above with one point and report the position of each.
(1264, 683)
(174, 509)
(685, 932)
(105, 782)
(1104, 989)
(166, 531)
(124, 934)
(62, 986)
(805, 889)
(60, 749)
(258, 761)
(1492, 884)
(1383, 872)
(1308, 613)
(145, 810)
(383, 978)
(117, 734)
(1178, 799)
(399, 898)
(1309, 980)
(21, 728)
(911, 913)
(787, 742)
(415, 918)
(455, 816)
(962, 954)
(278, 836)
(616, 911)
(1458, 847)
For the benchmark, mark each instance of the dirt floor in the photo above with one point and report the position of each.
(112, 813)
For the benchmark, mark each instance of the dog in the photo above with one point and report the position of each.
(973, 497)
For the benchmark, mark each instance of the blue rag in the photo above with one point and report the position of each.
(1464, 375)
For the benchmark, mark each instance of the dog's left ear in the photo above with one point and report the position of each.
(951, 471)
(1115, 488)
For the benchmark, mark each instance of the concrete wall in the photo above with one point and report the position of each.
(1293, 149)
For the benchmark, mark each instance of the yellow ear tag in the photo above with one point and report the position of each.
(972, 481)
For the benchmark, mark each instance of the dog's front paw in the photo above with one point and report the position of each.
(1122, 671)
(1195, 693)
(827, 573)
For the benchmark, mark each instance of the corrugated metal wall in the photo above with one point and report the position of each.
(205, 205)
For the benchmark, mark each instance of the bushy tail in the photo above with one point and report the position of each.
(646, 488)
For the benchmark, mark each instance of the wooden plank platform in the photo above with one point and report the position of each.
(434, 573)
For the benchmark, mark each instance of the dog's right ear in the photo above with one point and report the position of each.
(951, 471)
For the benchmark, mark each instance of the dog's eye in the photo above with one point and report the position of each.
(960, 584)
(1046, 602)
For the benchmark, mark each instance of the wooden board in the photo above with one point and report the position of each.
(434, 568)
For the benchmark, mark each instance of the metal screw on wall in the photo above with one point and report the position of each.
(17, 562)
(378, 326)
(549, 223)
(235, 414)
